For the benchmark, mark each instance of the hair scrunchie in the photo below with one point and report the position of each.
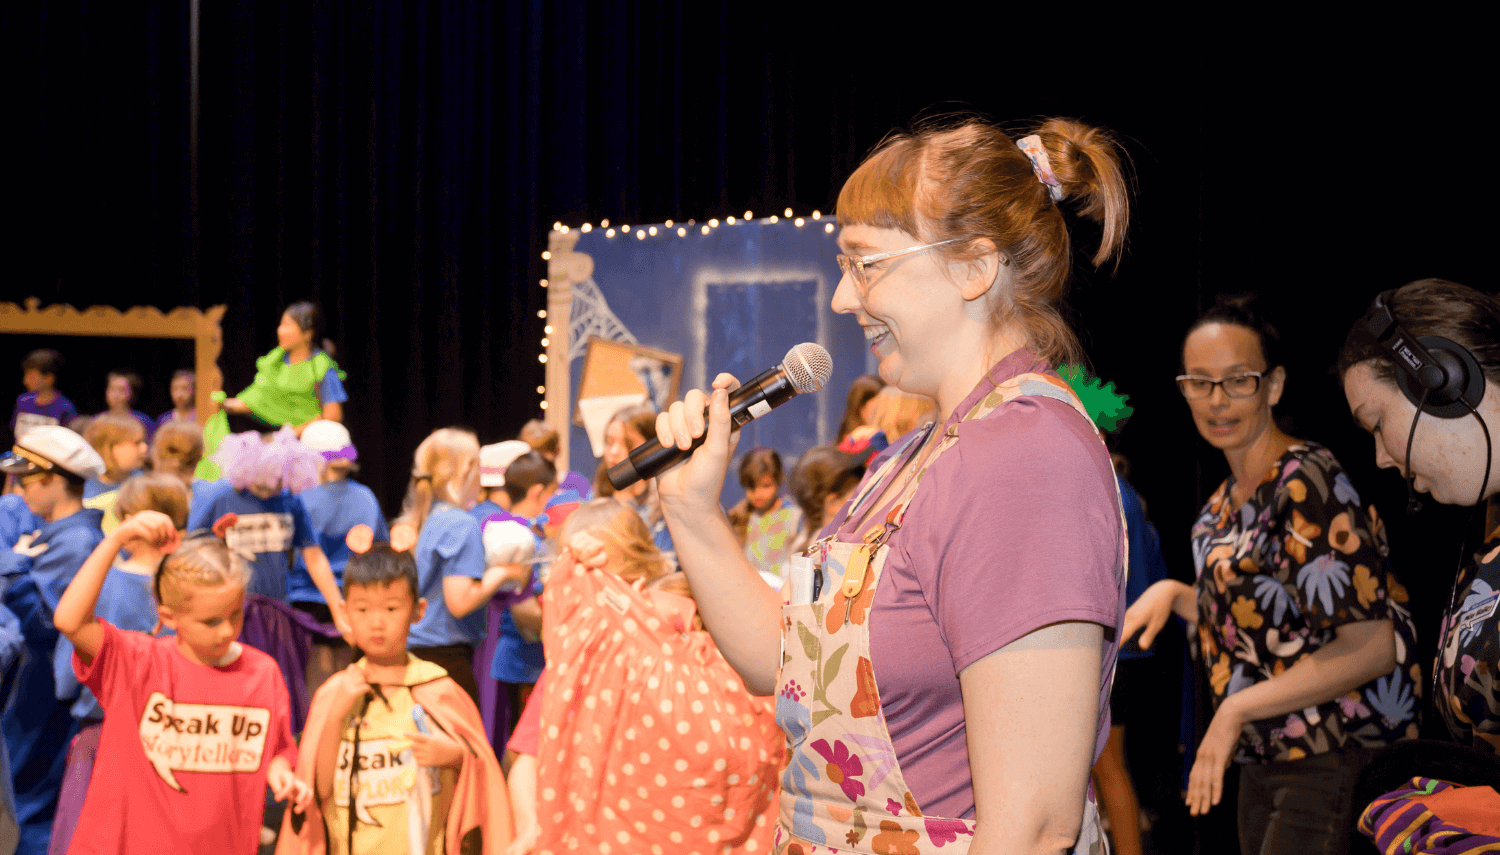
(1032, 147)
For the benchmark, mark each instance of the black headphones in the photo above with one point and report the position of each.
(1439, 377)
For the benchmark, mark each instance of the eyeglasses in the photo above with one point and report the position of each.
(1196, 387)
(854, 266)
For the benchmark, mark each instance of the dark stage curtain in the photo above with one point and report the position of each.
(400, 162)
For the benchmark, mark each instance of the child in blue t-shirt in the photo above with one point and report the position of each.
(269, 520)
(41, 403)
(121, 444)
(494, 459)
(52, 464)
(451, 572)
(334, 506)
(512, 541)
(126, 602)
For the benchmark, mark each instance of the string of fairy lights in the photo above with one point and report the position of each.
(666, 230)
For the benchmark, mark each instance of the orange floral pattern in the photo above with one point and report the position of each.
(1276, 577)
(866, 702)
(842, 785)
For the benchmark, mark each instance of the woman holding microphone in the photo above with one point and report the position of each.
(942, 657)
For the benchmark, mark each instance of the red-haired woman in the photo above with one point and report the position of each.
(943, 679)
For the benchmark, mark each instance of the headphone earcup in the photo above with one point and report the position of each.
(1462, 380)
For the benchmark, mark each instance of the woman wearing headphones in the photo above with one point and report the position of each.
(1457, 330)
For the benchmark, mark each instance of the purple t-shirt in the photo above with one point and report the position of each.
(169, 415)
(29, 414)
(1015, 527)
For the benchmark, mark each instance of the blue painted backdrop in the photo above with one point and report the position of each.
(735, 299)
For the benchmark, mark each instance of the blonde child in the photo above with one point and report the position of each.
(627, 429)
(427, 780)
(121, 442)
(674, 733)
(451, 572)
(195, 725)
(176, 449)
(125, 600)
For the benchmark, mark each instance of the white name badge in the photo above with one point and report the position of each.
(800, 577)
(1479, 612)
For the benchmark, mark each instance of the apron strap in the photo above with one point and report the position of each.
(1022, 385)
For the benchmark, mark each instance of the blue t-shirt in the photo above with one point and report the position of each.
(169, 415)
(517, 660)
(125, 601)
(448, 546)
(98, 487)
(1146, 565)
(330, 388)
(68, 542)
(266, 531)
(16, 519)
(334, 508)
(483, 511)
(203, 492)
(37, 731)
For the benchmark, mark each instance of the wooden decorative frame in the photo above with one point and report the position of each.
(606, 371)
(202, 326)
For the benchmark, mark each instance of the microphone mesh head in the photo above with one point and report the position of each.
(808, 366)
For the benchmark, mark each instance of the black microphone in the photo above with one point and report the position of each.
(805, 368)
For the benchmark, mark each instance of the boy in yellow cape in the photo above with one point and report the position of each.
(396, 732)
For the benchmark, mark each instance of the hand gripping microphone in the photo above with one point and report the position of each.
(805, 368)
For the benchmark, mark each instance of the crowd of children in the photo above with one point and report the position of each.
(177, 647)
(168, 639)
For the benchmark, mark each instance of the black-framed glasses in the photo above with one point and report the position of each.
(854, 266)
(1196, 387)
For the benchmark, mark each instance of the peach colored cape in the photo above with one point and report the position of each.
(481, 802)
(648, 737)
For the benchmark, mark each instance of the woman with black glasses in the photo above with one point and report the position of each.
(1301, 627)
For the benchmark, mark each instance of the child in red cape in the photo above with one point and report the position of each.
(426, 779)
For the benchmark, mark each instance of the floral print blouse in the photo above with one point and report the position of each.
(1276, 576)
(1469, 653)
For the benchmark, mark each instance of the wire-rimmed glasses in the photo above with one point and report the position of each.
(1196, 387)
(854, 266)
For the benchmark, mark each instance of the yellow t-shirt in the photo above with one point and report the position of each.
(399, 806)
(105, 502)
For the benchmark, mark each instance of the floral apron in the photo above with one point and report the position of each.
(842, 789)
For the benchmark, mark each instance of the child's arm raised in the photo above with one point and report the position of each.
(74, 616)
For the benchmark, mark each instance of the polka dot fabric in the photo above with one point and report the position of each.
(650, 742)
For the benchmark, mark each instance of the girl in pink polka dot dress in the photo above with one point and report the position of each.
(639, 737)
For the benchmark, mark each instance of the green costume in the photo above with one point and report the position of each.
(281, 394)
